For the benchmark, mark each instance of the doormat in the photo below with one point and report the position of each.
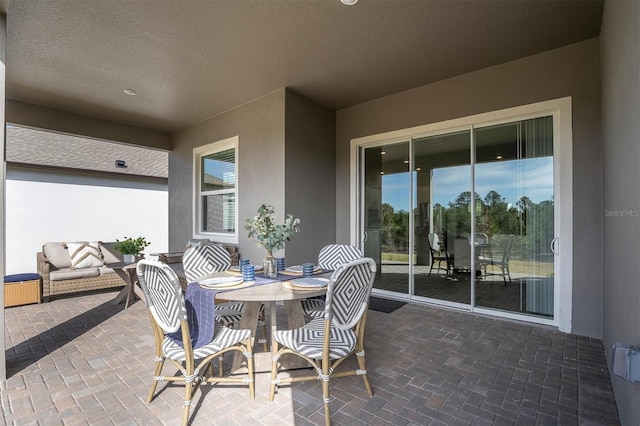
(384, 305)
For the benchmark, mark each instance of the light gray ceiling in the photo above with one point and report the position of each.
(191, 60)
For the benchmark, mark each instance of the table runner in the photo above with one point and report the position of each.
(292, 276)
(201, 312)
(283, 276)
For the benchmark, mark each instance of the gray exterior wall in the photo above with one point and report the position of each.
(259, 126)
(286, 157)
(620, 39)
(570, 71)
(310, 178)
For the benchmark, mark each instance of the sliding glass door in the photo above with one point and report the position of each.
(464, 217)
(442, 217)
(514, 224)
(387, 193)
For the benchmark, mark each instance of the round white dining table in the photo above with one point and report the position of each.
(269, 294)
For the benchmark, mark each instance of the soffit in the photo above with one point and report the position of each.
(192, 60)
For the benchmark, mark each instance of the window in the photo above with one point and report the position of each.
(215, 192)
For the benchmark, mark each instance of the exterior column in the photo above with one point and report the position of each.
(3, 173)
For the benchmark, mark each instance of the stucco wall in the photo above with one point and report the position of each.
(570, 71)
(620, 39)
(44, 206)
(286, 158)
(310, 177)
(259, 126)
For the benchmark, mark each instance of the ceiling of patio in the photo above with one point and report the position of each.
(191, 60)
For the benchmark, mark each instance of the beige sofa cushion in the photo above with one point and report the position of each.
(57, 254)
(70, 274)
(105, 270)
(85, 255)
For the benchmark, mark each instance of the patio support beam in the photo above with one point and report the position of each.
(41, 117)
(3, 172)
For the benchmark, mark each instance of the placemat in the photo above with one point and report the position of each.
(291, 285)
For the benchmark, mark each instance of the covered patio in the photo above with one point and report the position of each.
(291, 86)
(84, 360)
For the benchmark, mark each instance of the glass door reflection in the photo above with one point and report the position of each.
(442, 217)
(465, 218)
(515, 218)
(386, 214)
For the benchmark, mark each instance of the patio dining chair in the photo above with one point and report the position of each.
(436, 255)
(173, 340)
(500, 262)
(331, 256)
(202, 258)
(326, 342)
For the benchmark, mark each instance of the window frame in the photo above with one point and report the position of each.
(198, 153)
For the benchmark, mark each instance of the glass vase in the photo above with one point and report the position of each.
(270, 269)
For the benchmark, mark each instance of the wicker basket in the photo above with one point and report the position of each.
(21, 293)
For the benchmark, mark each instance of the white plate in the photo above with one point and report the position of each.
(221, 282)
(255, 268)
(310, 282)
(298, 268)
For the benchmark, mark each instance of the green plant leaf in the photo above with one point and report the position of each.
(131, 245)
(267, 233)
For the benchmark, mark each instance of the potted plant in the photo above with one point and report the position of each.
(131, 247)
(270, 235)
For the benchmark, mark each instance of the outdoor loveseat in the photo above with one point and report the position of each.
(77, 266)
(88, 268)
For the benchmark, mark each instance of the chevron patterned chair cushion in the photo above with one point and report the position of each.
(224, 338)
(169, 315)
(333, 255)
(330, 257)
(202, 259)
(309, 340)
(345, 316)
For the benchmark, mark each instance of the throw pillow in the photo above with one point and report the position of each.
(85, 255)
(57, 254)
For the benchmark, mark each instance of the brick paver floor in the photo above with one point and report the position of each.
(83, 361)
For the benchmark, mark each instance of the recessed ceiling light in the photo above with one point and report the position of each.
(383, 152)
(406, 161)
(499, 157)
(129, 92)
(349, 2)
(418, 168)
(381, 173)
